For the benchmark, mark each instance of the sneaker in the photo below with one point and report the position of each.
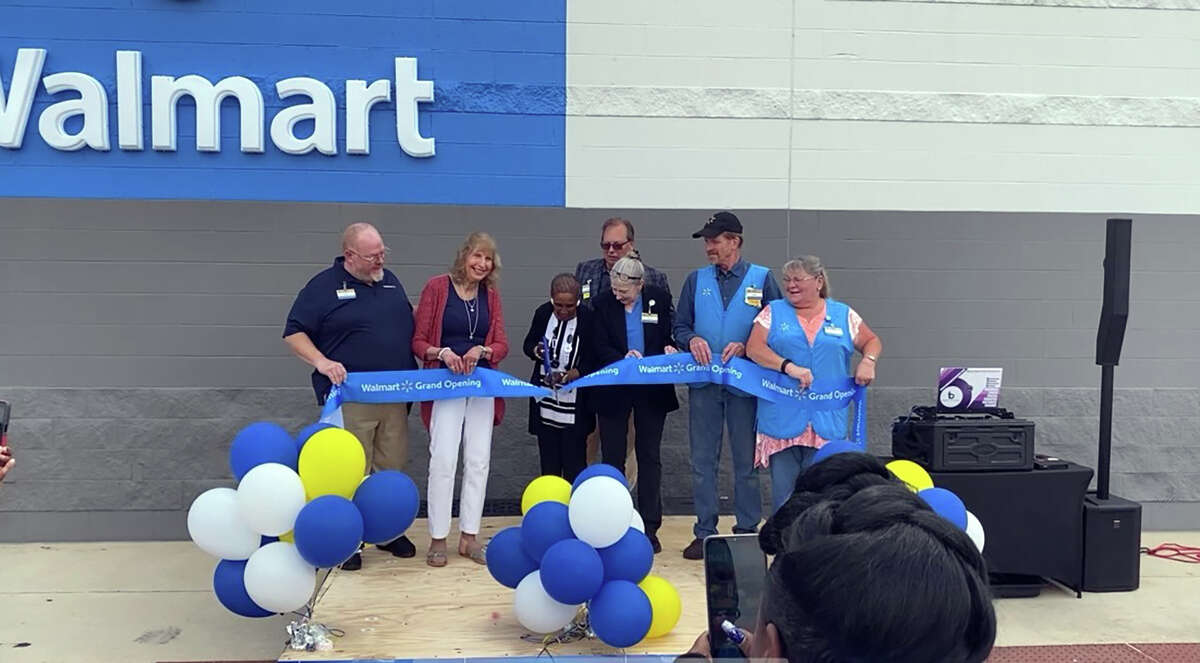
(354, 563)
(695, 550)
(654, 543)
(400, 547)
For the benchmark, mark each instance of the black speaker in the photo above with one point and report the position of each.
(1112, 533)
(1115, 310)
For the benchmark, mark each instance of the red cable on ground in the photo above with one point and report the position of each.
(1175, 552)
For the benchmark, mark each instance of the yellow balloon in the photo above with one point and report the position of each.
(288, 536)
(545, 489)
(332, 462)
(665, 605)
(912, 474)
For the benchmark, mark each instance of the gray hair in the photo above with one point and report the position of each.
(812, 266)
(352, 231)
(627, 270)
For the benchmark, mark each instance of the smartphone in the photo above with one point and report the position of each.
(5, 411)
(735, 570)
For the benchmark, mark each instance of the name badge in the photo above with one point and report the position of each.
(754, 296)
(833, 331)
(390, 286)
(346, 293)
(650, 318)
(587, 290)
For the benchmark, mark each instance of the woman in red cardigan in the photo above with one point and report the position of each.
(460, 325)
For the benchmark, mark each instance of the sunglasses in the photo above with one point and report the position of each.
(613, 246)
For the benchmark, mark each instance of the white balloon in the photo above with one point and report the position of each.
(269, 496)
(975, 530)
(216, 525)
(637, 523)
(536, 610)
(600, 511)
(278, 579)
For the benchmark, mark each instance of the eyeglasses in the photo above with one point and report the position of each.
(613, 246)
(374, 257)
(799, 279)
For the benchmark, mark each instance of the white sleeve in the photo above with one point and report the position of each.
(855, 321)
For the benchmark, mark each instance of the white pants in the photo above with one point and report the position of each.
(455, 421)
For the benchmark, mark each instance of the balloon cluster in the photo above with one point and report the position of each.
(584, 544)
(301, 504)
(942, 501)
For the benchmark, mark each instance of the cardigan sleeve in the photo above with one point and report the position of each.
(537, 329)
(499, 342)
(424, 335)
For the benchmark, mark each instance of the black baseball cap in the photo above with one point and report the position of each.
(721, 222)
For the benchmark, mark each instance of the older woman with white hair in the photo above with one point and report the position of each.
(634, 320)
(806, 335)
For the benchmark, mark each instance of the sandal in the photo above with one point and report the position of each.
(436, 558)
(474, 552)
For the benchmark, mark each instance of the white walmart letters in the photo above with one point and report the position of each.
(16, 104)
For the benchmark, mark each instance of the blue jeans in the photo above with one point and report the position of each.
(712, 409)
(786, 466)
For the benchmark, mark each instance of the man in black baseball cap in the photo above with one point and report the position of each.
(716, 311)
(721, 222)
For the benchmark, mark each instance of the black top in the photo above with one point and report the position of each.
(608, 344)
(465, 324)
(537, 328)
(368, 330)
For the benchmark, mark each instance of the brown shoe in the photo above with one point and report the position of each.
(695, 550)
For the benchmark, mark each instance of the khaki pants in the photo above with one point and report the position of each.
(631, 466)
(382, 428)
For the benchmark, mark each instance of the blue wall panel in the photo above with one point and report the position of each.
(498, 68)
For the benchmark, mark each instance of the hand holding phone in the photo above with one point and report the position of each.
(735, 570)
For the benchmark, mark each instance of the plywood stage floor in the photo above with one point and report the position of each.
(402, 608)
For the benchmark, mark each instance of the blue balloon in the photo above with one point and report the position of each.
(835, 447)
(630, 558)
(506, 558)
(308, 431)
(328, 531)
(229, 583)
(620, 614)
(388, 502)
(264, 540)
(598, 470)
(544, 525)
(947, 505)
(572, 572)
(261, 442)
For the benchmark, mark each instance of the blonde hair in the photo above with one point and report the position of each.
(476, 241)
(810, 265)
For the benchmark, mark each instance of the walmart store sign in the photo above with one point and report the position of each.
(317, 105)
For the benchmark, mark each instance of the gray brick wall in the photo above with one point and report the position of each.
(137, 337)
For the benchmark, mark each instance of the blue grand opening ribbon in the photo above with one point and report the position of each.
(423, 385)
(678, 368)
(821, 396)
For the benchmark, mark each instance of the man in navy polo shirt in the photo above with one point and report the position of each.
(355, 316)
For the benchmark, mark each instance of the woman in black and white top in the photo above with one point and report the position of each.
(557, 420)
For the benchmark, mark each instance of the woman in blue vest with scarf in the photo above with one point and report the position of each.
(805, 335)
